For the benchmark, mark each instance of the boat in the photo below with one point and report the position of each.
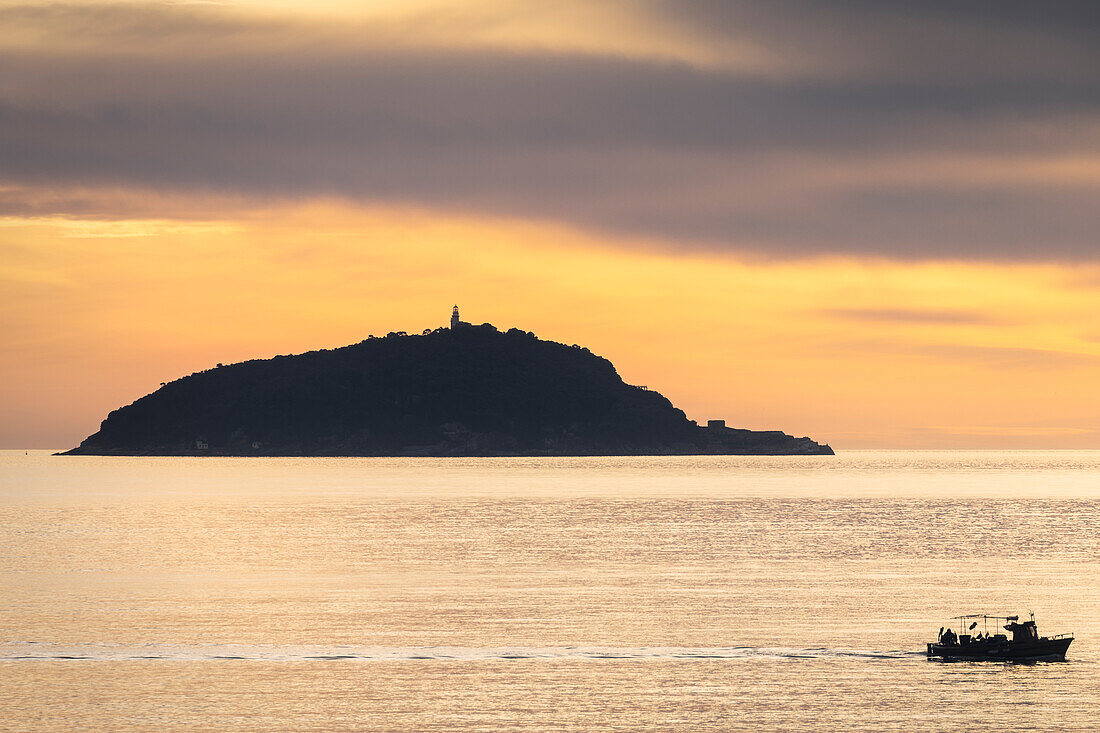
(1025, 645)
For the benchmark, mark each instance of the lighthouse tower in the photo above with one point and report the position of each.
(454, 319)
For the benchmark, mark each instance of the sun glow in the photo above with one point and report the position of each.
(105, 310)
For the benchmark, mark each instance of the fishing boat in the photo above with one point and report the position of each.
(1025, 645)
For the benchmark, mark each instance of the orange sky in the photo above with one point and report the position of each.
(871, 225)
(859, 353)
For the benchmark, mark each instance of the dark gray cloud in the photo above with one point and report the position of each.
(881, 161)
(934, 40)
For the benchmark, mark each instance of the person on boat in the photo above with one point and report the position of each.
(949, 638)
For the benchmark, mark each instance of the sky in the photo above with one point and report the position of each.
(873, 223)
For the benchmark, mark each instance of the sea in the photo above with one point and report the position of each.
(534, 594)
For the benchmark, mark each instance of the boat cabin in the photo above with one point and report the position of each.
(1022, 632)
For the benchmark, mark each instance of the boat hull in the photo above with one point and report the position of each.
(1040, 650)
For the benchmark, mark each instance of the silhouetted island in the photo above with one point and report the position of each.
(463, 391)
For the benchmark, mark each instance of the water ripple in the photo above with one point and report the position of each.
(37, 651)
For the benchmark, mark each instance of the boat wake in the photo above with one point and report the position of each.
(40, 651)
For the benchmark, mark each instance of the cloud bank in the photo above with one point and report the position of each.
(948, 130)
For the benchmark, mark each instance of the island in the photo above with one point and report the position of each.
(461, 391)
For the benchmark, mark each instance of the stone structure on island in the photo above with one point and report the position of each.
(464, 391)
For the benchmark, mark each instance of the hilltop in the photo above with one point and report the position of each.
(464, 391)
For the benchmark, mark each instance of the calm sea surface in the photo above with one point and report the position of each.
(713, 593)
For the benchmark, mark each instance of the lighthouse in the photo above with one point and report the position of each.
(456, 323)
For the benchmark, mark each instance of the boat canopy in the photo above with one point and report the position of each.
(986, 616)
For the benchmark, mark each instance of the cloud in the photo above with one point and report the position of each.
(911, 315)
(825, 153)
(986, 357)
(938, 41)
(1014, 357)
(1010, 430)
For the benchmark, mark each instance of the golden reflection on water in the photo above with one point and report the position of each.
(714, 593)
